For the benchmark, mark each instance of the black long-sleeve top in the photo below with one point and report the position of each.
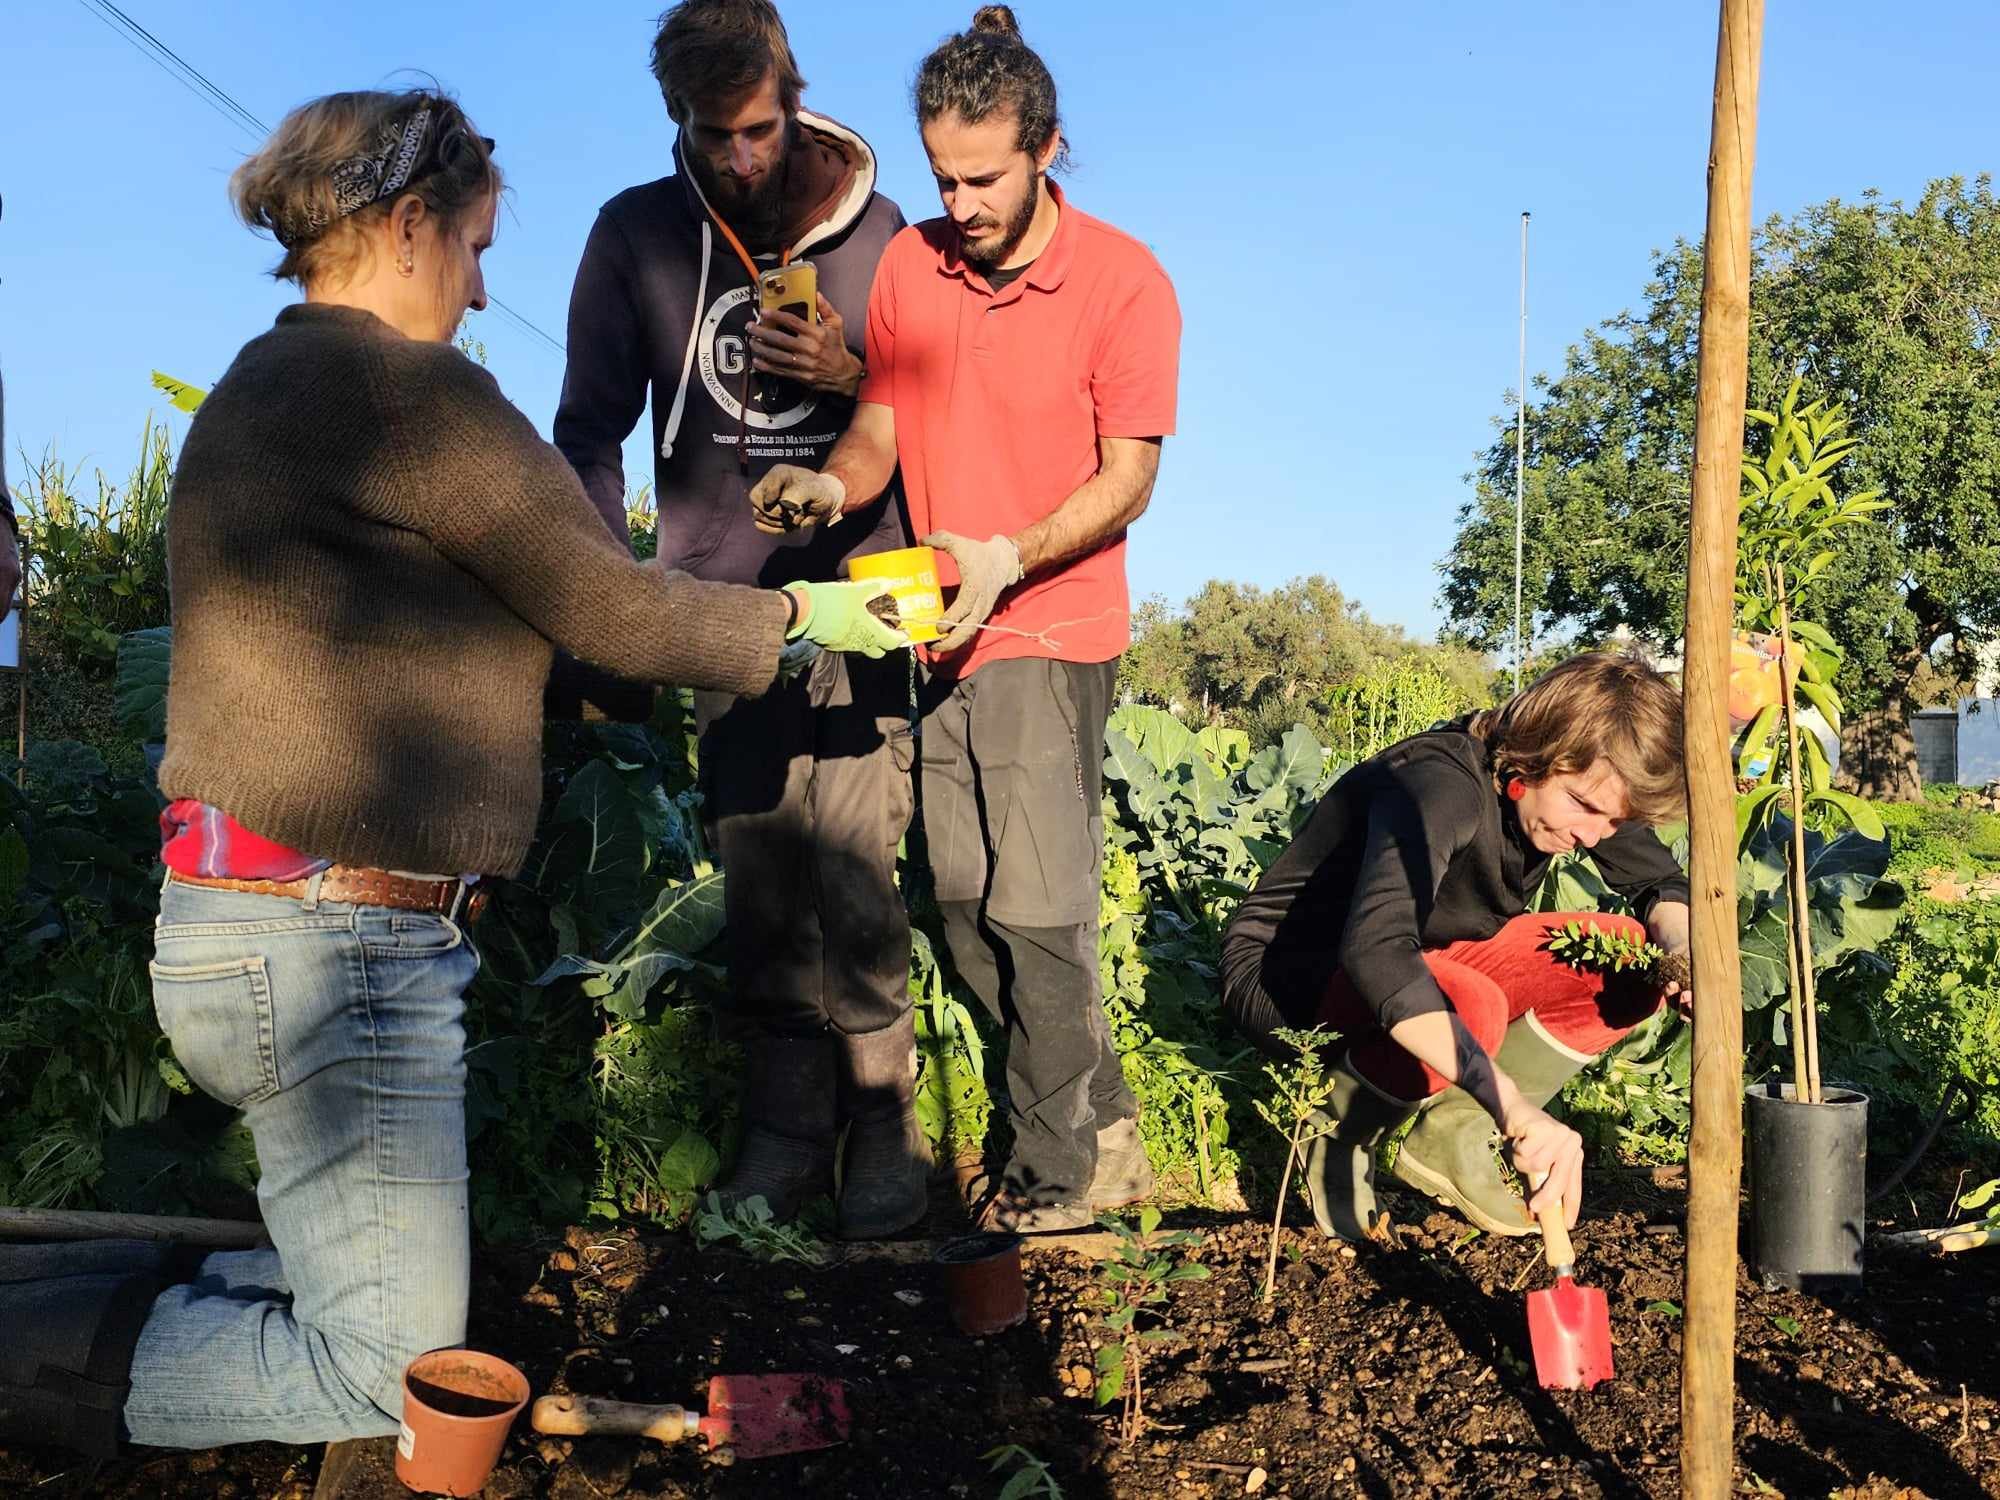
(1413, 849)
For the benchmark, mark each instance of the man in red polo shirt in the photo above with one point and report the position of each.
(1022, 363)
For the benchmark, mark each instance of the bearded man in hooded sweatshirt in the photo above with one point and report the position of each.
(807, 787)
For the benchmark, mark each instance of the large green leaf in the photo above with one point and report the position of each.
(1761, 946)
(185, 397)
(1162, 739)
(1227, 749)
(1852, 907)
(1292, 765)
(689, 1163)
(606, 826)
(1867, 822)
(1572, 883)
(1751, 809)
(145, 661)
(1209, 792)
(1168, 742)
(625, 996)
(1145, 790)
(1852, 857)
(686, 919)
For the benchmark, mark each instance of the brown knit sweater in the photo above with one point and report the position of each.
(371, 552)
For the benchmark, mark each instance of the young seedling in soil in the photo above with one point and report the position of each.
(1302, 1091)
(751, 1228)
(1031, 1479)
(1136, 1278)
(1589, 946)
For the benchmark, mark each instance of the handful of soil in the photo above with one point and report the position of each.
(883, 608)
(1675, 968)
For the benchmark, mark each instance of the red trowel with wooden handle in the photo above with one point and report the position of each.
(755, 1416)
(1569, 1325)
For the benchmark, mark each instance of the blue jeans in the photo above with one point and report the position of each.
(338, 1031)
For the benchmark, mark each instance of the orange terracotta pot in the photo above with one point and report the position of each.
(457, 1407)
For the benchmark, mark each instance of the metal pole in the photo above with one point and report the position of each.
(1520, 454)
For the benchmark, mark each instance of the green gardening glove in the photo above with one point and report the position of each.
(836, 616)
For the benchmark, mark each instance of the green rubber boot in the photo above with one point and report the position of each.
(1340, 1167)
(1453, 1152)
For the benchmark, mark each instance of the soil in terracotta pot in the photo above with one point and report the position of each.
(454, 1402)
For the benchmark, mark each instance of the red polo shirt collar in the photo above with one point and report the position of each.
(1047, 271)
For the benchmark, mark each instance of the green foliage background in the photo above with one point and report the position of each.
(600, 1083)
(1887, 309)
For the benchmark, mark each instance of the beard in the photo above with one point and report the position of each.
(993, 248)
(754, 210)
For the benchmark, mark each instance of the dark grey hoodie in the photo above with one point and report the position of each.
(661, 304)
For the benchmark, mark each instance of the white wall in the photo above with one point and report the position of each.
(1979, 724)
(1978, 741)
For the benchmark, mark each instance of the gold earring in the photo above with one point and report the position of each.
(409, 266)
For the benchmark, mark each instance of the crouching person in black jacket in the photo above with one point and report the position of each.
(1398, 918)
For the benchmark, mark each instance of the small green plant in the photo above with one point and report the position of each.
(1031, 1479)
(1663, 1305)
(1298, 1114)
(1135, 1280)
(1788, 1326)
(98, 569)
(1585, 946)
(1986, 1196)
(1390, 701)
(750, 1228)
(1787, 521)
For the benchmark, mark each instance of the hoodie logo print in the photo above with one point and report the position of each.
(725, 355)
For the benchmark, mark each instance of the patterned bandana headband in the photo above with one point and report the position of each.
(361, 180)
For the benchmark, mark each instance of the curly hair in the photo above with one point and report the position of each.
(1600, 706)
(988, 69)
(288, 187)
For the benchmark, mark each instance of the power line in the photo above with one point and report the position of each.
(197, 83)
(175, 66)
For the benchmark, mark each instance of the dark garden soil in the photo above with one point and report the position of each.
(1373, 1372)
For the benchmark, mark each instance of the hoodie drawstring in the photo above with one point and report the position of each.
(687, 359)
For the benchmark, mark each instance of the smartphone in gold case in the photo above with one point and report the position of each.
(793, 289)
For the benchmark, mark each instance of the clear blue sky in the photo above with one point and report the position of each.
(1335, 190)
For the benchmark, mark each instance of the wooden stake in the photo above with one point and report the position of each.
(1805, 1010)
(1800, 1088)
(83, 1224)
(1715, 1154)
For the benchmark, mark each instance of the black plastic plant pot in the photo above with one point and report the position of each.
(982, 1274)
(1808, 1188)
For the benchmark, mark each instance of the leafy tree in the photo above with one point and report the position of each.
(1264, 660)
(1889, 311)
(1158, 666)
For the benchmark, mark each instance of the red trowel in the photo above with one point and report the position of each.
(1569, 1325)
(755, 1416)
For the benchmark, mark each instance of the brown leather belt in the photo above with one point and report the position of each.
(361, 887)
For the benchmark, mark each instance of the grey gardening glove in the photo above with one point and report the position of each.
(985, 570)
(796, 657)
(790, 498)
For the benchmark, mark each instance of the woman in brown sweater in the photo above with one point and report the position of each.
(373, 557)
